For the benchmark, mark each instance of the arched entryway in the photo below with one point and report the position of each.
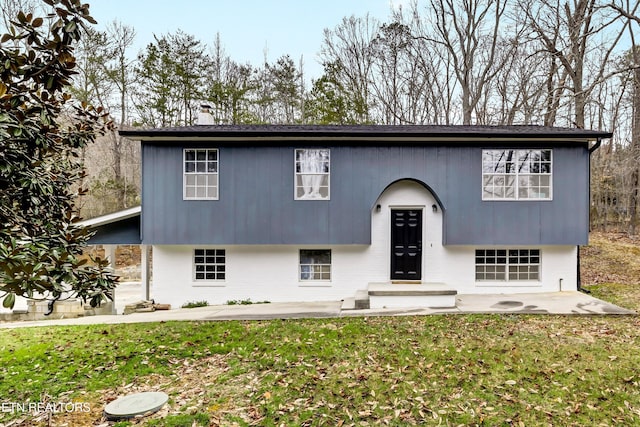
(407, 226)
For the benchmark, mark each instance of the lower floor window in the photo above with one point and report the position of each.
(507, 264)
(209, 264)
(315, 264)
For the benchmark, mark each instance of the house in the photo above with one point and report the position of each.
(309, 213)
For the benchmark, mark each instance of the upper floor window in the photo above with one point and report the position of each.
(200, 178)
(312, 174)
(516, 175)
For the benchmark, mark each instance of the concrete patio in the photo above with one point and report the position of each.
(559, 303)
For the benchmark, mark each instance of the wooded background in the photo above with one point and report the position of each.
(501, 62)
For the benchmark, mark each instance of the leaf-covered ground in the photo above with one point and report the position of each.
(611, 258)
(610, 268)
(451, 370)
(489, 370)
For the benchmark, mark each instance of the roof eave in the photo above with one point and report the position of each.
(404, 137)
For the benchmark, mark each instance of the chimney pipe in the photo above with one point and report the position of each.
(204, 115)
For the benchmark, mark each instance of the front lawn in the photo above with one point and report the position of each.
(433, 370)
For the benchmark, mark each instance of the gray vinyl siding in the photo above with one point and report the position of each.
(123, 232)
(257, 206)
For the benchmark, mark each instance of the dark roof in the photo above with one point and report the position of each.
(364, 131)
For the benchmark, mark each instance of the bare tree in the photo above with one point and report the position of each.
(628, 10)
(105, 79)
(404, 75)
(566, 33)
(348, 49)
(434, 69)
(394, 82)
(120, 75)
(519, 88)
(469, 30)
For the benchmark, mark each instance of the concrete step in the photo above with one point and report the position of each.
(348, 304)
(362, 299)
(415, 294)
(359, 302)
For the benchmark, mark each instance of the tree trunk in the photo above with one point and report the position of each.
(635, 146)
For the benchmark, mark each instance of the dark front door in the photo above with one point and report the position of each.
(406, 244)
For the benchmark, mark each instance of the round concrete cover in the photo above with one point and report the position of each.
(136, 404)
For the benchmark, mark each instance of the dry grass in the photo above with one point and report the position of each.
(610, 268)
(610, 258)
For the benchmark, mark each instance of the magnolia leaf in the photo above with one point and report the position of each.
(9, 300)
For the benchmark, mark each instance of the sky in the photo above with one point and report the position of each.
(247, 28)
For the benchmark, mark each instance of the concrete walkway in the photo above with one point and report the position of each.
(539, 303)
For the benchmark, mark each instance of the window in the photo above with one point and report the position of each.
(200, 174)
(315, 264)
(508, 264)
(209, 264)
(516, 175)
(312, 174)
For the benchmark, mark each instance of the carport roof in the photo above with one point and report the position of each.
(117, 228)
(111, 217)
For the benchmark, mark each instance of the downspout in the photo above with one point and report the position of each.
(591, 150)
(595, 147)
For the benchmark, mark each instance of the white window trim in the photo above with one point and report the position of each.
(185, 174)
(296, 173)
(315, 282)
(515, 176)
(207, 282)
(507, 282)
